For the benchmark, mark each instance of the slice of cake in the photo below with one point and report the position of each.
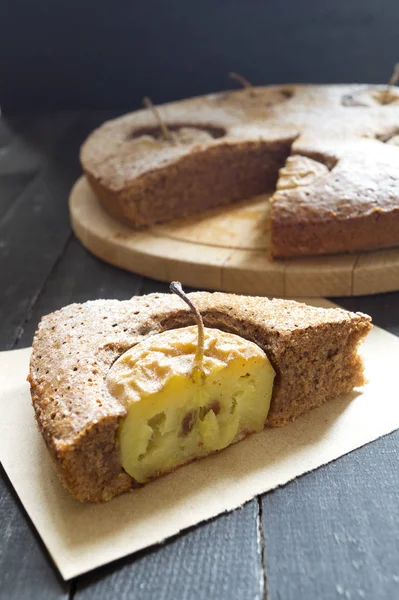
(120, 396)
(336, 196)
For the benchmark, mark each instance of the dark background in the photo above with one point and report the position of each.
(57, 55)
(331, 534)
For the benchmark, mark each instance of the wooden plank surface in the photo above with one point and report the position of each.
(219, 559)
(26, 571)
(35, 228)
(333, 533)
(27, 254)
(330, 534)
(38, 165)
(198, 251)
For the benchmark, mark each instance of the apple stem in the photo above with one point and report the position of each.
(244, 82)
(198, 368)
(393, 80)
(165, 131)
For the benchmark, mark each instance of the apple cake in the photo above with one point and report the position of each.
(114, 391)
(329, 153)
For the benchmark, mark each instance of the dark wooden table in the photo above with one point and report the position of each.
(333, 533)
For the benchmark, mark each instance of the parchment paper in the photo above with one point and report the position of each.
(81, 537)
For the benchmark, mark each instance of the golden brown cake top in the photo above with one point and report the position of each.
(124, 148)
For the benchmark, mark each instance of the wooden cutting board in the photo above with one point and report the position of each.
(226, 249)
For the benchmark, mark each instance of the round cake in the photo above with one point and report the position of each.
(329, 155)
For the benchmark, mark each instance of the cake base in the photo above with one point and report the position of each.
(226, 249)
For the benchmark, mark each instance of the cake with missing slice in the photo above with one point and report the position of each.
(330, 154)
(122, 394)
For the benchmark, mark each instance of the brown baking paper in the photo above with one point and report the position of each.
(81, 537)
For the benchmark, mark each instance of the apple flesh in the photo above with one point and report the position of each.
(173, 417)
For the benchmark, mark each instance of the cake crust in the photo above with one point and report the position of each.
(233, 145)
(313, 350)
(353, 205)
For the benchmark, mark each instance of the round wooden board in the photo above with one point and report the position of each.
(226, 249)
